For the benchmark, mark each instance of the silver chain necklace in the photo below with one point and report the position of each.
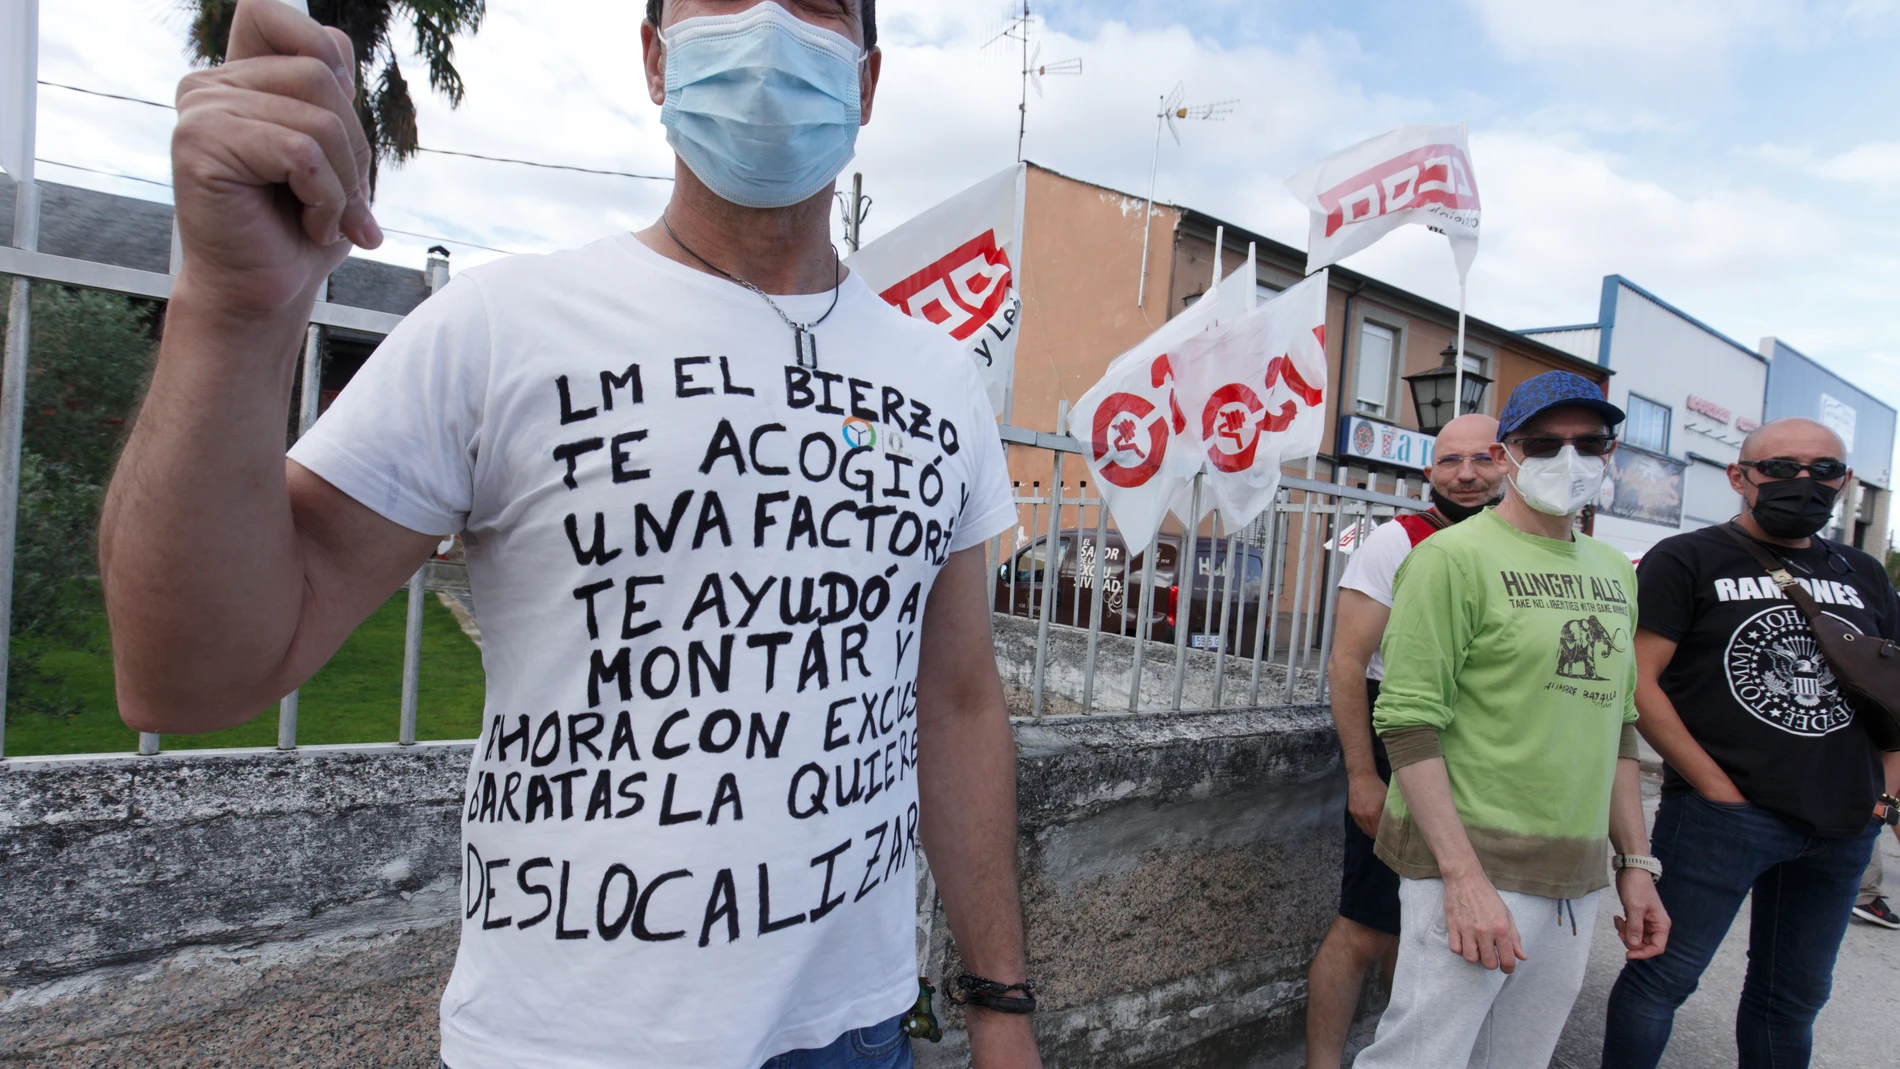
(804, 342)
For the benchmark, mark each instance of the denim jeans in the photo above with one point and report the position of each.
(1713, 855)
(878, 1046)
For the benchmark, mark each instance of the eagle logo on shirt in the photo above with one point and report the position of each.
(1776, 671)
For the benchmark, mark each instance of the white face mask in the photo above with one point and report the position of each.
(1558, 485)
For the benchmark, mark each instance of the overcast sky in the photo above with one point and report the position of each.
(1739, 158)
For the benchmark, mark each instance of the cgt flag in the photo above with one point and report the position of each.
(1138, 444)
(1255, 391)
(953, 266)
(1413, 174)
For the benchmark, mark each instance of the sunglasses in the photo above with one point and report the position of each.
(1453, 460)
(1788, 468)
(1589, 445)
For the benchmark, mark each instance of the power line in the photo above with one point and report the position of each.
(547, 166)
(434, 151)
(452, 241)
(168, 185)
(108, 96)
(108, 174)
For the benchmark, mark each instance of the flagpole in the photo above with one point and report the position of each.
(1154, 165)
(1458, 376)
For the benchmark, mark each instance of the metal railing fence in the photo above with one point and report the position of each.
(1065, 566)
(26, 265)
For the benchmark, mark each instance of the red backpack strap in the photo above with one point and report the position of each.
(1422, 525)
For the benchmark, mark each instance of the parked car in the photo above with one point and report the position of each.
(1019, 586)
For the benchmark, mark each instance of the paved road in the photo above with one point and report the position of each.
(1859, 1029)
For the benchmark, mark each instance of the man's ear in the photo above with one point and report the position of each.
(867, 85)
(653, 57)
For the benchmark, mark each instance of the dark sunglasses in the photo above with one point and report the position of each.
(1788, 468)
(1589, 445)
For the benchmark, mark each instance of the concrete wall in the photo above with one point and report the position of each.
(262, 908)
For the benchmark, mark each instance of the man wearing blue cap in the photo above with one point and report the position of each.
(1507, 711)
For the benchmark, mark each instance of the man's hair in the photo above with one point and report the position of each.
(867, 15)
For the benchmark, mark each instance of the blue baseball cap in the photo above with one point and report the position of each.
(1554, 389)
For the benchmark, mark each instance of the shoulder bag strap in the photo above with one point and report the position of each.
(1778, 572)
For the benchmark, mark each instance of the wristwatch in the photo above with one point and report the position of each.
(1648, 864)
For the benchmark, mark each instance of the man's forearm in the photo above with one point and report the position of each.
(1662, 727)
(198, 551)
(1352, 717)
(1426, 788)
(1627, 833)
(966, 782)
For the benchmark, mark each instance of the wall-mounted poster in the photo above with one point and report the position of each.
(1643, 486)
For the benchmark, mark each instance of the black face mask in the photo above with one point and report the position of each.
(1452, 510)
(1794, 508)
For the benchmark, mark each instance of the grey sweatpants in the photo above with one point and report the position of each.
(1870, 880)
(1447, 1012)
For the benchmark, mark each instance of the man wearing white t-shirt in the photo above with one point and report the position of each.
(724, 512)
(1366, 931)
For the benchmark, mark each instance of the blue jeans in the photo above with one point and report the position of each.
(878, 1046)
(1713, 855)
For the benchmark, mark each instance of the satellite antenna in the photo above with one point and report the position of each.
(1170, 112)
(1021, 28)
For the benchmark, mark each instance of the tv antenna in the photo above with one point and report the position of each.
(1021, 28)
(1171, 112)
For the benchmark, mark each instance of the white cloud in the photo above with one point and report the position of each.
(1876, 163)
(1667, 34)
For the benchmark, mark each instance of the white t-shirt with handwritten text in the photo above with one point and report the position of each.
(690, 824)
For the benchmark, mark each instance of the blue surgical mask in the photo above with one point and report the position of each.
(761, 105)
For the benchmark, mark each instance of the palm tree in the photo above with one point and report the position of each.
(382, 102)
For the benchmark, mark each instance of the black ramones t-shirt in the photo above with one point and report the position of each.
(1749, 681)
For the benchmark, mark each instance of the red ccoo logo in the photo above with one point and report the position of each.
(961, 291)
(1435, 174)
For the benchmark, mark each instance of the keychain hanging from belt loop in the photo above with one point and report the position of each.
(804, 342)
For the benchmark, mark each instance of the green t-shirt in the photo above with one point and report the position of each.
(1515, 649)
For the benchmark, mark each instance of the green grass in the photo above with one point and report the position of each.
(355, 698)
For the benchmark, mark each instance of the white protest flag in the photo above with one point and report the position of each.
(1413, 174)
(1239, 292)
(19, 90)
(1255, 391)
(1135, 440)
(954, 265)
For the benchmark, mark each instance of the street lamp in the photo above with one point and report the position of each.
(1432, 390)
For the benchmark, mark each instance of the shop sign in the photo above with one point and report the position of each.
(1708, 408)
(1643, 486)
(1839, 416)
(1383, 443)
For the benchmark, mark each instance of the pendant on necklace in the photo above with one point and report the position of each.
(804, 348)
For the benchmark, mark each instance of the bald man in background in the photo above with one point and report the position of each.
(1768, 783)
(1464, 479)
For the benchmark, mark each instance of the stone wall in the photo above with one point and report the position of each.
(261, 908)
